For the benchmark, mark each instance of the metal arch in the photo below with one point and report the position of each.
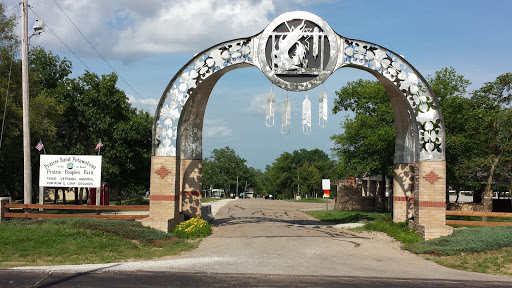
(425, 142)
(424, 109)
(185, 85)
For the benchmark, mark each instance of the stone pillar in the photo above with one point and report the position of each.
(164, 201)
(191, 187)
(430, 200)
(403, 187)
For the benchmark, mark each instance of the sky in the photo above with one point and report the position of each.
(147, 42)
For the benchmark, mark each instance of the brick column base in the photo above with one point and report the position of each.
(164, 201)
(430, 200)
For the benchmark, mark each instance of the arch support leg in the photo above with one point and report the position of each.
(191, 190)
(403, 190)
(430, 200)
(164, 201)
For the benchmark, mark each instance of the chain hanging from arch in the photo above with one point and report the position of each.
(271, 102)
(306, 115)
(322, 109)
(287, 111)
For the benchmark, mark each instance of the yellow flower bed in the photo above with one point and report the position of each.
(193, 228)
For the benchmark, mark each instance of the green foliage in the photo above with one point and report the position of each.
(81, 241)
(466, 240)
(399, 231)
(367, 142)
(222, 169)
(193, 228)
(303, 169)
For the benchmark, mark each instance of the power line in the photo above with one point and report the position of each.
(105, 60)
(62, 41)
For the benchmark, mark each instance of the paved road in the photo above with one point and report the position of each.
(265, 238)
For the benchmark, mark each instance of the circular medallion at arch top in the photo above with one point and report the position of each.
(298, 51)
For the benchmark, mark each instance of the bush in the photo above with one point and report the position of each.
(193, 228)
(466, 240)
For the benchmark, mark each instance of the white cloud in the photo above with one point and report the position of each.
(258, 104)
(192, 25)
(131, 29)
(216, 128)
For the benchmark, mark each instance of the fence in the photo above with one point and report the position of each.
(5, 213)
(477, 214)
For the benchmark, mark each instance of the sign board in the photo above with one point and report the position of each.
(326, 184)
(70, 171)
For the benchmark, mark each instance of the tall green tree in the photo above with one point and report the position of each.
(298, 173)
(223, 168)
(366, 146)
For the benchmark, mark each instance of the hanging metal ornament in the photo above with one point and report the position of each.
(287, 112)
(322, 109)
(306, 115)
(271, 103)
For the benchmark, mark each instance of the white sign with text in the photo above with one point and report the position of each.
(326, 184)
(70, 171)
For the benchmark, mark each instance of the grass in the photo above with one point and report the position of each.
(477, 218)
(488, 261)
(476, 249)
(312, 200)
(375, 221)
(81, 241)
(467, 240)
(211, 199)
(341, 216)
(399, 231)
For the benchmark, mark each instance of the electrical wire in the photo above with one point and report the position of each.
(46, 25)
(105, 60)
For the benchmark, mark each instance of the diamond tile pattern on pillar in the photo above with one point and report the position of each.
(431, 177)
(162, 172)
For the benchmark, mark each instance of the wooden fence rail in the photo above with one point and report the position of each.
(97, 208)
(478, 214)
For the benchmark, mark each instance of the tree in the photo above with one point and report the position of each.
(223, 168)
(450, 89)
(493, 127)
(366, 147)
(70, 115)
(302, 169)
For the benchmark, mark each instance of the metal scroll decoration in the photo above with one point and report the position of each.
(271, 102)
(287, 112)
(306, 115)
(322, 109)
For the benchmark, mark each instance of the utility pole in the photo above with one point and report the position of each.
(27, 173)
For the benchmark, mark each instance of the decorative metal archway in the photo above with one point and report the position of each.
(297, 52)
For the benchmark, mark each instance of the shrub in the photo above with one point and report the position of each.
(193, 228)
(466, 240)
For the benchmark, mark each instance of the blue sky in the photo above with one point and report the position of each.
(147, 42)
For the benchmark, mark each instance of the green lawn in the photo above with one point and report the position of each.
(81, 241)
(475, 249)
